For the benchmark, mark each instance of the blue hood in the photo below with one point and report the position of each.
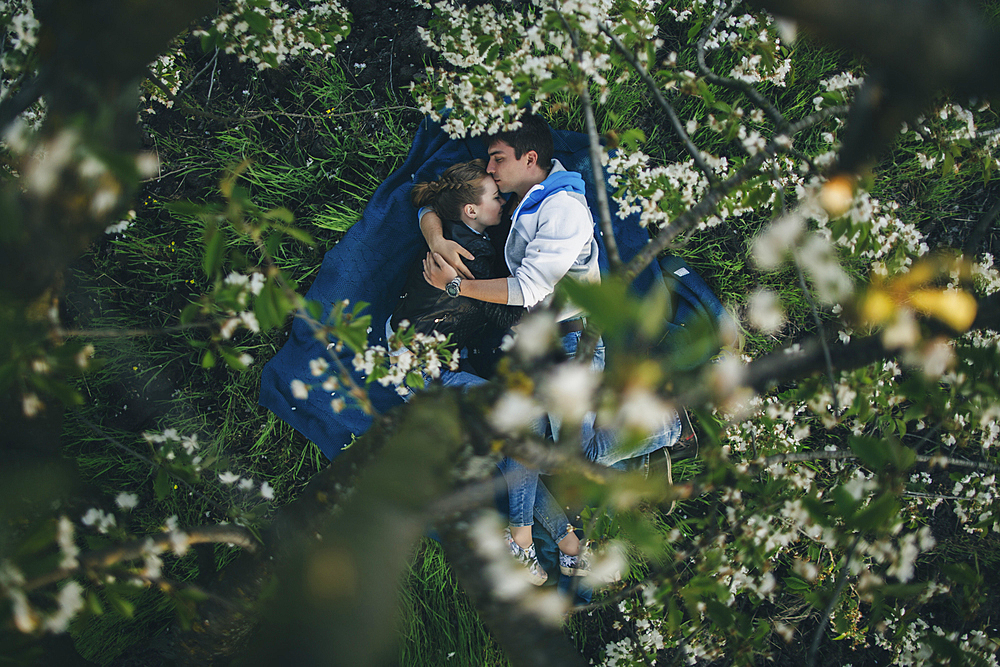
(556, 181)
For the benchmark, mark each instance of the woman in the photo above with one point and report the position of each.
(468, 201)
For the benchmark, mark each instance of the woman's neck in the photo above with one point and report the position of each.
(474, 225)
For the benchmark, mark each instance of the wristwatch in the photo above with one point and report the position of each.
(451, 289)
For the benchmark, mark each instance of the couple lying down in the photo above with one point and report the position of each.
(472, 287)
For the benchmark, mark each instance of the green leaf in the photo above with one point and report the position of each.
(962, 573)
(215, 242)
(719, 613)
(281, 214)
(876, 516)
(162, 485)
(315, 310)
(552, 85)
(797, 584)
(190, 312)
(208, 359)
(40, 538)
(122, 607)
(873, 452)
(299, 235)
(94, 604)
(606, 303)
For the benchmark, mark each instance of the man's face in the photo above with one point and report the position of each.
(509, 173)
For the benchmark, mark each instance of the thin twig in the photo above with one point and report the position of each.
(215, 56)
(841, 583)
(169, 173)
(651, 84)
(128, 333)
(211, 83)
(152, 464)
(821, 336)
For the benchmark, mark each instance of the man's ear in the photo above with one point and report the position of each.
(531, 158)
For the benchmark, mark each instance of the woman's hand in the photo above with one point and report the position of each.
(452, 253)
(438, 272)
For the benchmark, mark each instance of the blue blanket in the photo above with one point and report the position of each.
(370, 264)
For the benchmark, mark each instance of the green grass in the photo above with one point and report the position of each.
(325, 167)
(438, 624)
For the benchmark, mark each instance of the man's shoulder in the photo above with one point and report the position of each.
(563, 201)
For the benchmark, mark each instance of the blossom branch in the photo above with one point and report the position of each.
(20, 98)
(654, 89)
(843, 455)
(175, 540)
(733, 84)
(707, 205)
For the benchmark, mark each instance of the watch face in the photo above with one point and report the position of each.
(451, 289)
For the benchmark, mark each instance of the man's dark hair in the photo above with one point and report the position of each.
(533, 135)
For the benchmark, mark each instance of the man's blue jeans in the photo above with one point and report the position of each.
(527, 495)
(600, 445)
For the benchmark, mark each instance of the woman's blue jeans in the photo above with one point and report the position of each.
(528, 498)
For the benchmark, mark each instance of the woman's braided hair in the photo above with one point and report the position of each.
(460, 184)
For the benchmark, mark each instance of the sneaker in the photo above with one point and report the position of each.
(578, 565)
(536, 574)
(687, 444)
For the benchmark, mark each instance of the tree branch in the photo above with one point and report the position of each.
(596, 154)
(654, 89)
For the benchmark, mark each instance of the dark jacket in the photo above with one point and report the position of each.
(467, 320)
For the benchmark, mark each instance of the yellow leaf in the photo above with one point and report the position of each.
(955, 308)
(878, 307)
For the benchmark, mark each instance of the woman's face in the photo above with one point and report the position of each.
(490, 203)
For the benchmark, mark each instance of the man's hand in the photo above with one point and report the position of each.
(452, 253)
(438, 272)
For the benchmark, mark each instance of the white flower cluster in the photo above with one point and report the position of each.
(244, 286)
(913, 649)
(20, 34)
(658, 193)
(497, 62)
(246, 484)
(986, 275)
(99, 519)
(409, 355)
(121, 225)
(269, 33)
(168, 68)
(173, 445)
(838, 89)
